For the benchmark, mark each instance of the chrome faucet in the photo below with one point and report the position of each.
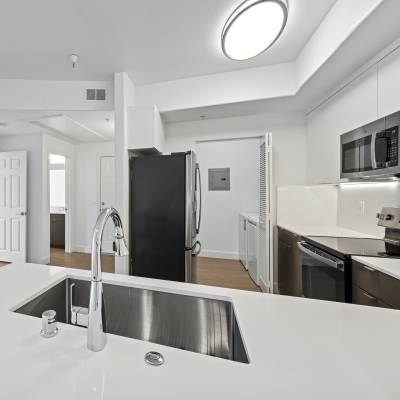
(96, 339)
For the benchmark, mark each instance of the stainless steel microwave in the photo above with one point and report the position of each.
(372, 150)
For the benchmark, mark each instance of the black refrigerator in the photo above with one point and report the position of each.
(165, 215)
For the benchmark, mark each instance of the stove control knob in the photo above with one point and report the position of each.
(388, 217)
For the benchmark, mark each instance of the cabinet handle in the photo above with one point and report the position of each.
(368, 268)
(368, 295)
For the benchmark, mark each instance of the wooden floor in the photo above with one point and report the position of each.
(224, 273)
(60, 258)
(210, 271)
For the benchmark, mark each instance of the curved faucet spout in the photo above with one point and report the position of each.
(96, 327)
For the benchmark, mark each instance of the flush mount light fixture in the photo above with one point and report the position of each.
(253, 27)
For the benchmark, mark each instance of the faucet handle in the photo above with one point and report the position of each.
(80, 316)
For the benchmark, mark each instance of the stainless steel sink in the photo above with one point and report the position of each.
(197, 324)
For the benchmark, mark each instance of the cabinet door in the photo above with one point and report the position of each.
(284, 267)
(362, 297)
(297, 283)
(377, 284)
(289, 264)
(389, 84)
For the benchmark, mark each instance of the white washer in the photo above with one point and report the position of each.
(252, 253)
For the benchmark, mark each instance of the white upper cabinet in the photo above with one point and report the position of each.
(352, 107)
(145, 128)
(389, 84)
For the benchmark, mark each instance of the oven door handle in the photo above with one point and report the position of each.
(327, 261)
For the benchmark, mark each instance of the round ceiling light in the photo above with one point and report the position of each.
(253, 27)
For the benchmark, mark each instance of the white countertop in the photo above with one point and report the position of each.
(323, 230)
(298, 348)
(390, 266)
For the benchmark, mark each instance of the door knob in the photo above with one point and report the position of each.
(22, 213)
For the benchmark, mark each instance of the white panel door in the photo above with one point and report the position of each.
(107, 197)
(265, 242)
(13, 210)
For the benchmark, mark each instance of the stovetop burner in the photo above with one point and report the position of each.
(357, 246)
(389, 246)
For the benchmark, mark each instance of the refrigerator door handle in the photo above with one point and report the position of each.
(196, 249)
(198, 182)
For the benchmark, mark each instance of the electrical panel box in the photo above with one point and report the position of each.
(219, 179)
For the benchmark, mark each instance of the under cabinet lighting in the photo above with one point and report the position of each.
(253, 27)
(369, 184)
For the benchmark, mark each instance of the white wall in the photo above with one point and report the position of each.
(124, 90)
(37, 219)
(372, 95)
(57, 187)
(359, 204)
(58, 146)
(307, 205)
(289, 158)
(23, 94)
(87, 193)
(219, 234)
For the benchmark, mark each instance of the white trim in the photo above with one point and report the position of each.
(228, 139)
(78, 248)
(68, 204)
(262, 284)
(228, 255)
(42, 260)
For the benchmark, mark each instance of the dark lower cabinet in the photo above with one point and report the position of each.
(289, 264)
(374, 288)
(362, 297)
(57, 230)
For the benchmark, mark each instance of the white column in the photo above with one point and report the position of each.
(124, 91)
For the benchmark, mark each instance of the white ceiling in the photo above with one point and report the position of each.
(152, 40)
(73, 126)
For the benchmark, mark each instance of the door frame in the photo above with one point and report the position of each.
(68, 202)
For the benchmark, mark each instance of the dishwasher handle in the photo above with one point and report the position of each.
(319, 255)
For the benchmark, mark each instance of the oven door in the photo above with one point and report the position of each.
(323, 274)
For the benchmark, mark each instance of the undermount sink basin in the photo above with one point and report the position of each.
(202, 325)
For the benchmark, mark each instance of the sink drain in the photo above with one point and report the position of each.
(154, 358)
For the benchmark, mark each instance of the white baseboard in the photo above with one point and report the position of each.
(78, 248)
(229, 255)
(42, 260)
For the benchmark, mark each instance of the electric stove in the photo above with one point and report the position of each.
(347, 247)
(326, 261)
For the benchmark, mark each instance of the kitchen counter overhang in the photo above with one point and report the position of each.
(298, 348)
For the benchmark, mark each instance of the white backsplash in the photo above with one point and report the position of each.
(307, 205)
(351, 206)
(359, 203)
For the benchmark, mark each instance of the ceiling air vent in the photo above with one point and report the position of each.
(96, 94)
